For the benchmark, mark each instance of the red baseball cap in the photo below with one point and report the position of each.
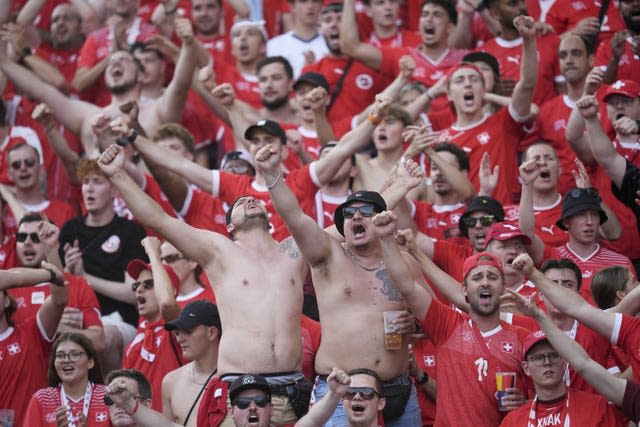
(532, 339)
(504, 231)
(464, 65)
(479, 259)
(136, 266)
(623, 87)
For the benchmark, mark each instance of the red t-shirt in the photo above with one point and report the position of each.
(599, 259)
(402, 38)
(202, 210)
(564, 15)
(44, 402)
(425, 353)
(509, 55)
(598, 348)
(498, 135)
(244, 85)
(467, 364)
(310, 330)
(450, 257)
(202, 293)
(628, 64)
(66, 61)
(8, 257)
(626, 335)
(81, 296)
(546, 218)
(438, 222)
(24, 351)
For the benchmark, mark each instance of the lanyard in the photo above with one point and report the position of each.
(533, 417)
(86, 401)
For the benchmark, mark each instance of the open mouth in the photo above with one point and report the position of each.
(358, 230)
(253, 419)
(545, 174)
(468, 96)
(486, 296)
(510, 260)
(620, 115)
(358, 408)
(429, 31)
(141, 301)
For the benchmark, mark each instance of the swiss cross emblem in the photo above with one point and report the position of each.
(507, 347)
(13, 348)
(158, 341)
(618, 85)
(429, 360)
(484, 138)
(101, 416)
(559, 124)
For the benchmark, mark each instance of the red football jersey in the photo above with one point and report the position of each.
(626, 335)
(425, 353)
(402, 38)
(628, 64)
(546, 218)
(202, 293)
(202, 210)
(244, 85)
(438, 221)
(563, 16)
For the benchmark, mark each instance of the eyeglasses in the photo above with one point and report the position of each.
(171, 258)
(625, 101)
(17, 164)
(245, 402)
(576, 193)
(147, 284)
(365, 210)
(539, 359)
(22, 237)
(485, 221)
(109, 401)
(366, 393)
(73, 356)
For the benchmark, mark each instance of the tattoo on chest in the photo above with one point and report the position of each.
(289, 247)
(388, 289)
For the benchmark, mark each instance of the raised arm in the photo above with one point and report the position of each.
(314, 243)
(565, 300)
(602, 148)
(458, 180)
(322, 411)
(141, 414)
(171, 103)
(385, 225)
(529, 172)
(350, 43)
(163, 289)
(523, 92)
(198, 245)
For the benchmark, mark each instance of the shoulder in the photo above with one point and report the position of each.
(516, 417)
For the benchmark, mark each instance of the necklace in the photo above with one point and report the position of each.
(357, 261)
(193, 375)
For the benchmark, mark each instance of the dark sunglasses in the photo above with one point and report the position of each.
(366, 393)
(169, 259)
(245, 402)
(18, 163)
(365, 210)
(485, 221)
(22, 237)
(147, 284)
(576, 193)
(109, 401)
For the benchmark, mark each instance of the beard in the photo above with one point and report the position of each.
(122, 88)
(276, 103)
(477, 308)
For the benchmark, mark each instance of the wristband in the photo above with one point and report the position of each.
(424, 379)
(275, 181)
(375, 120)
(53, 277)
(25, 52)
(135, 409)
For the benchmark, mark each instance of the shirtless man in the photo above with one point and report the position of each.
(198, 331)
(121, 77)
(262, 334)
(352, 288)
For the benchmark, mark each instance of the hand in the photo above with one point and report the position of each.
(184, 30)
(49, 234)
(411, 173)
(407, 241)
(117, 28)
(542, 28)
(404, 323)
(71, 319)
(513, 399)
(526, 26)
(42, 113)
(581, 176)
(13, 34)
(385, 224)
(407, 66)
(625, 126)
(119, 127)
(268, 159)
(317, 99)
(593, 81)
(408, 134)
(294, 140)
(523, 263)
(112, 160)
(131, 109)
(524, 305)
(338, 381)
(163, 45)
(151, 245)
(425, 141)
(225, 94)
(100, 124)
(309, 57)
(529, 171)
(488, 179)
(617, 43)
(382, 105)
(588, 106)
(587, 27)
(207, 78)
(73, 258)
(120, 395)
(468, 6)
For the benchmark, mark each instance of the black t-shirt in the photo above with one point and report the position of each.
(106, 251)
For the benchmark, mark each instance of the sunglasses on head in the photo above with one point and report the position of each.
(485, 221)
(168, 259)
(17, 164)
(22, 237)
(245, 402)
(147, 284)
(365, 211)
(366, 393)
(576, 193)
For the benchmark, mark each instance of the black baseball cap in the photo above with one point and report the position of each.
(268, 125)
(248, 382)
(485, 57)
(371, 197)
(200, 312)
(481, 203)
(578, 200)
(314, 79)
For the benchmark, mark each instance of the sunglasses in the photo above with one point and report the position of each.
(147, 284)
(485, 221)
(366, 393)
(365, 210)
(109, 401)
(169, 259)
(22, 237)
(17, 164)
(576, 193)
(245, 402)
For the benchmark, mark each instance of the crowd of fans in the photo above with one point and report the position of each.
(210, 209)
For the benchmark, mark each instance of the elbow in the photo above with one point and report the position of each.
(100, 343)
